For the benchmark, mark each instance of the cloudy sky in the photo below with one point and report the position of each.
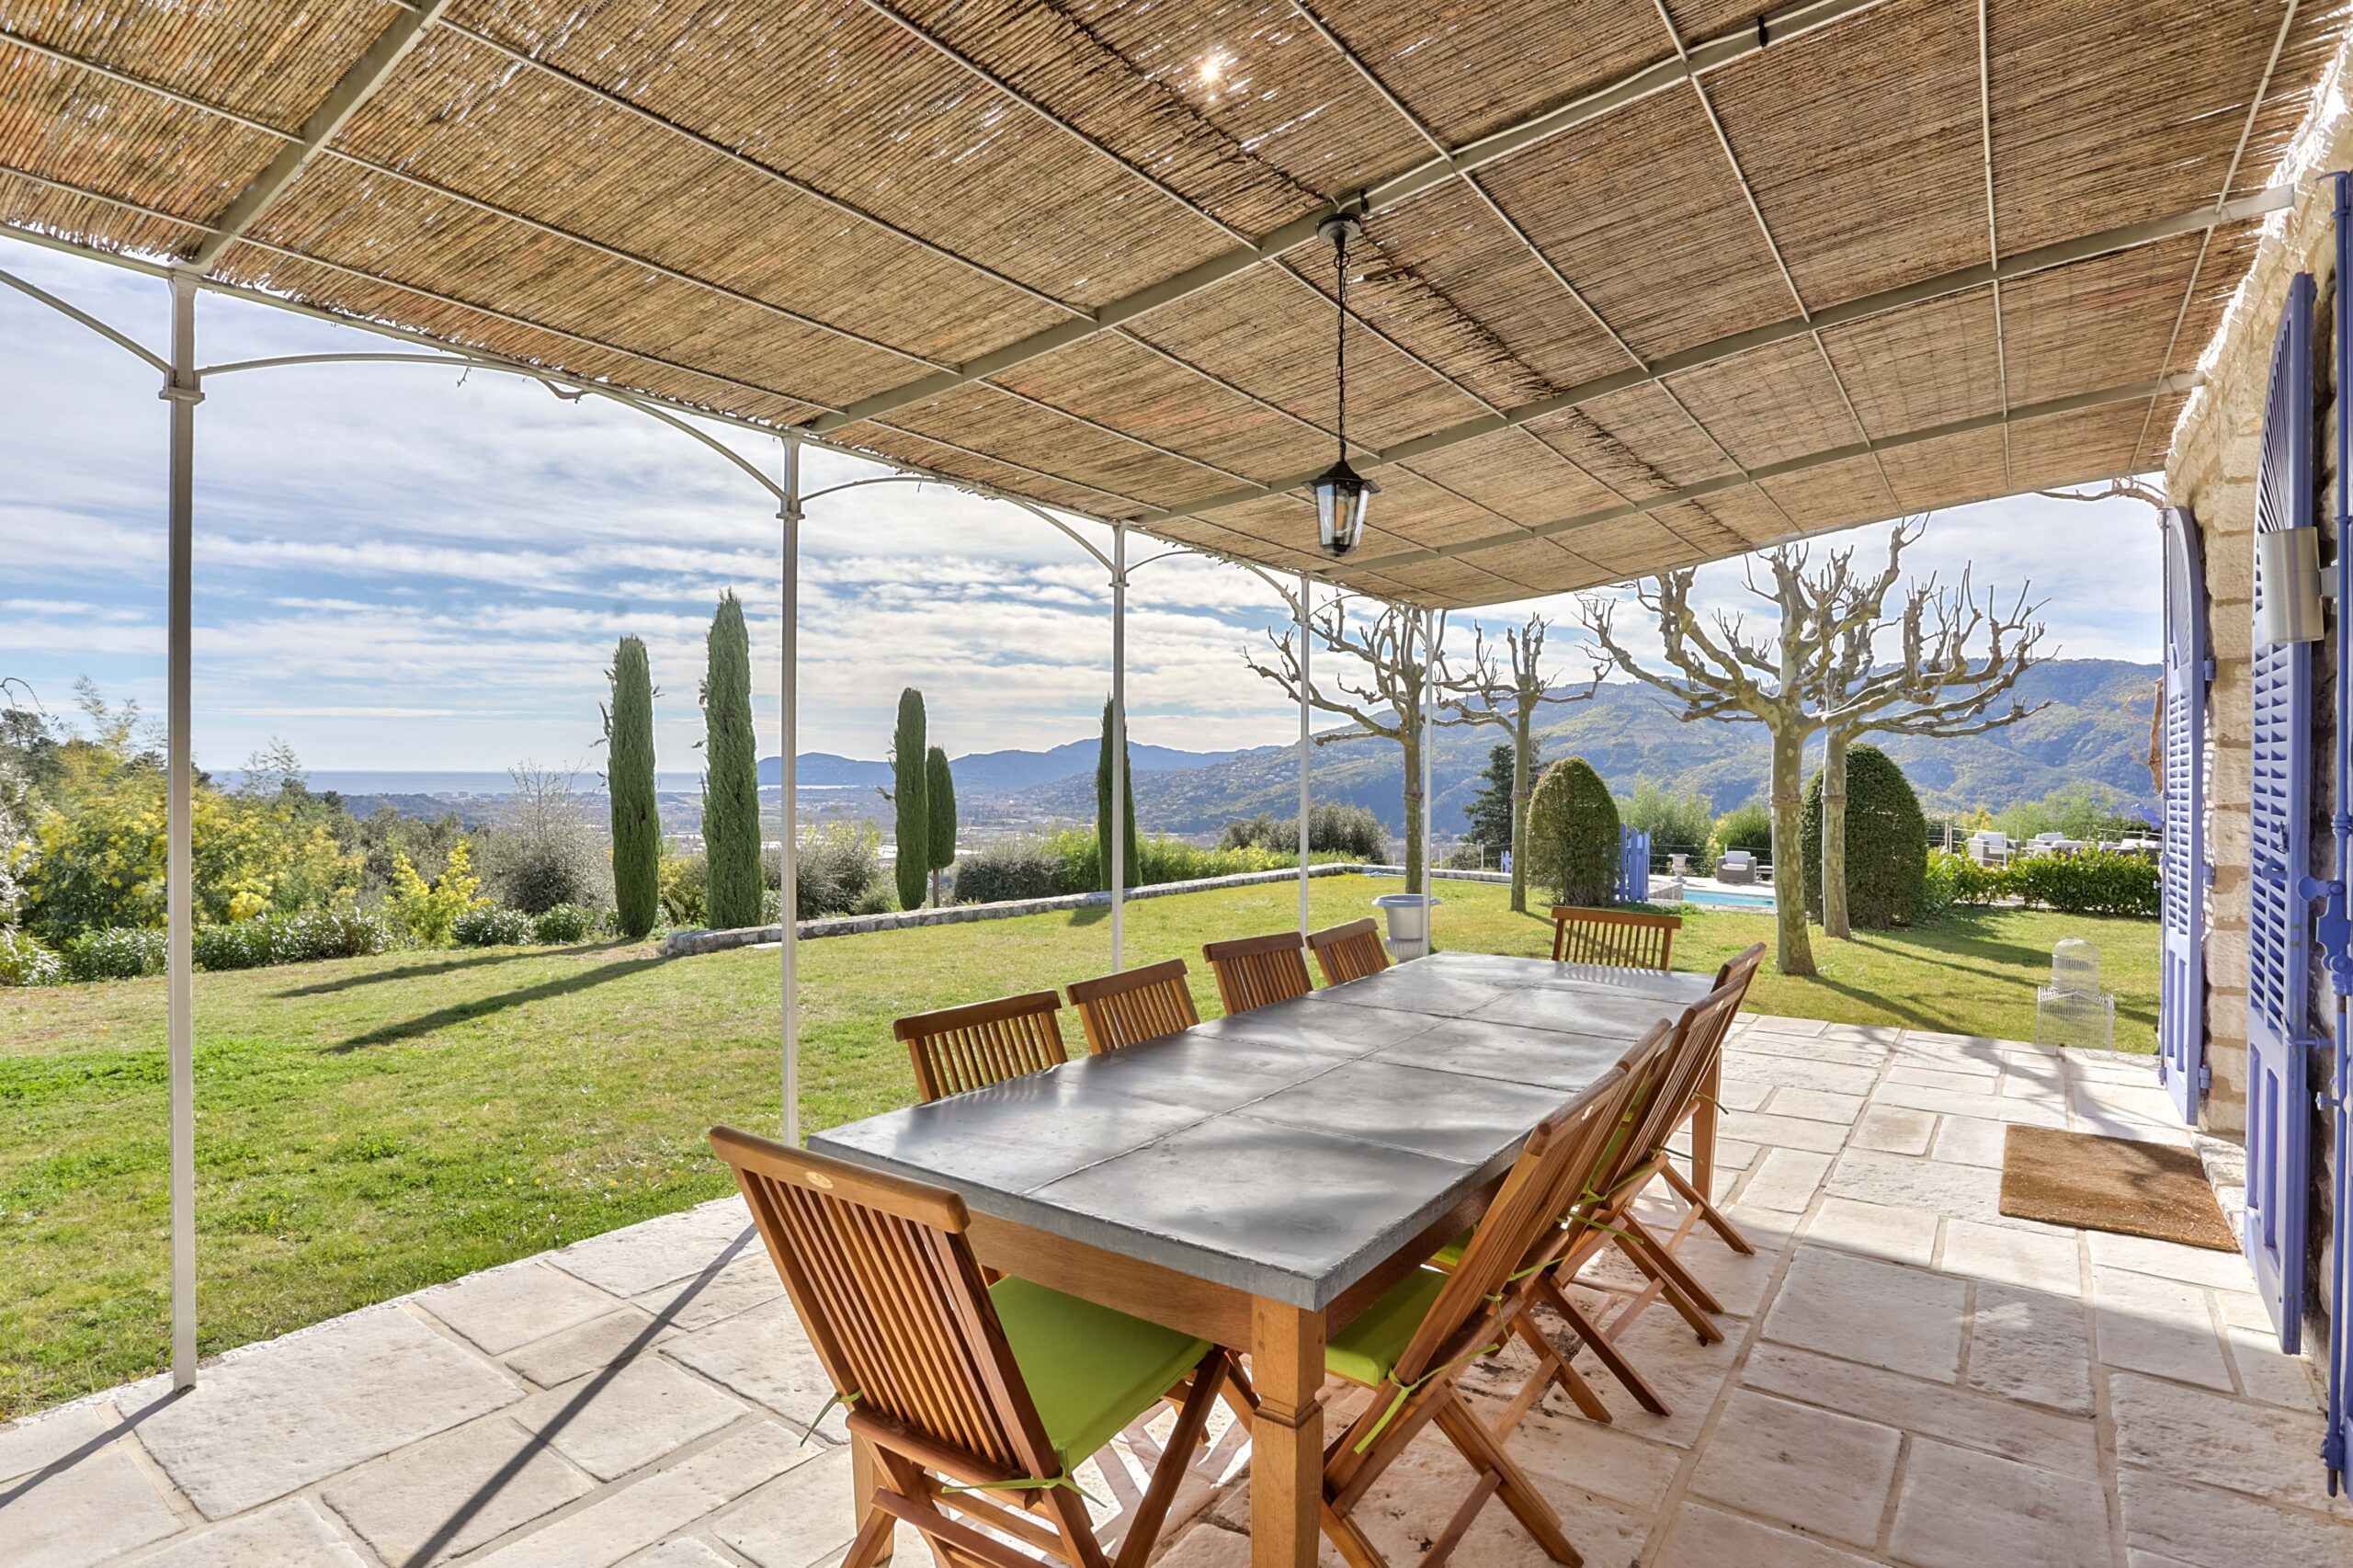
(399, 566)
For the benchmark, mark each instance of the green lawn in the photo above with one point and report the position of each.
(368, 1127)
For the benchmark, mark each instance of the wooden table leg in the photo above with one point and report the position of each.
(1287, 1438)
(861, 1484)
(1704, 1117)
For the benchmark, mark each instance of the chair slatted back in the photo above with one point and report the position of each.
(1351, 952)
(1254, 970)
(1622, 938)
(957, 1049)
(1699, 1034)
(887, 1287)
(1135, 1005)
(1647, 1066)
(1520, 1227)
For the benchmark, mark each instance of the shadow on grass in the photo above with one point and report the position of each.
(443, 966)
(458, 1013)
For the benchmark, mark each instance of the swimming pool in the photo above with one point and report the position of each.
(1728, 900)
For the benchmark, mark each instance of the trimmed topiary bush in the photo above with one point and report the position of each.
(566, 923)
(1572, 841)
(1887, 844)
(119, 952)
(24, 961)
(487, 925)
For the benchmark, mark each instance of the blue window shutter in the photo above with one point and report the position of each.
(2181, 998)
(2278, 1116)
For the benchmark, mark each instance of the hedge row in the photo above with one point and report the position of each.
(2095, 882)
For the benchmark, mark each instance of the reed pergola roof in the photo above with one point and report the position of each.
(1644, 282)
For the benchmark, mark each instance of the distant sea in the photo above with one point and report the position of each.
(399, 781)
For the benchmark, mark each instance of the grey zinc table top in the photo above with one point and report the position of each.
(1287, 1152)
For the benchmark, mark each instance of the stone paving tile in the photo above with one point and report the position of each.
(2030, 1345)
(2255, 1449)
(748, 1281)
(1876, 1229)
(1825, 1472)
(1968, 1140)
(2116, 1110)
(2009, 1256)
(1956, 1191)
(1813, 1048)
(591, 1346)
(26, 1445)
(1937, 1078)
(763, 1354)
(610, 1426)
(1741, 1093)
(658, 1505)
(502, 1308)
(2069, 1444)
(88, 1513)
(1860, 1309)
(453, 1493)
(1785, 1179)
(264, 1422)
(1891, 1130)
(800, 1518)
(2171, 1260)
(1783, 1131)
(1816, 1105)
(2158, 1325)
(688, 1552)
(2037, 1518)
(1709, 1538)
(1794, 1073)
(636, 1258)
(2212, 1528)
(1985, 1106)
(2265, 1371)
(285, 1535)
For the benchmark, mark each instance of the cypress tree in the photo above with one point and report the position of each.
(908, 765)
(939, 795)
(731, 781)
(629, 785)
(1132, 860)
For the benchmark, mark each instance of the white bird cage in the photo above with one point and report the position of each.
(2072, 1009)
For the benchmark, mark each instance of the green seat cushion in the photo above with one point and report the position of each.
(1090, 1369)
(1449, 1257)
(1367, 1350)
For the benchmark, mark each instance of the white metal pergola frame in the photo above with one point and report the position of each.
(183, 388)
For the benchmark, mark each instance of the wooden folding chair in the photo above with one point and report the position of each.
(1623, 938)
(1348, 952)
(1634, 1076)
(1135, 1005)
(1254, 970)
(1409, 1346)
(957, 1049)
(1702, 1107)
(1659, 1091)
(976, 1402)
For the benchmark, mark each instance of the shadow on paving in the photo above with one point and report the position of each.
(458, 1013)
(443, 966)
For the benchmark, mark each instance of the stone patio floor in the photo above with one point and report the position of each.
(1910, 1378)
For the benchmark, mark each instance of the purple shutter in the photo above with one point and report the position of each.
(2182, 876)
(1633, 865)
(2336, 926)
(2278, 1116)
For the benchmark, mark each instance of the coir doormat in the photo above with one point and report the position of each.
(2112, 1183)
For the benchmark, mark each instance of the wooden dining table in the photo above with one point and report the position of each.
(1259, 1180)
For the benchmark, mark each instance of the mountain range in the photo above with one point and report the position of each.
(2090, 725)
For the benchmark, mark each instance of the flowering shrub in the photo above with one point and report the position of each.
(567, 923)
(24, 961)
(294, 938)
(429, 913)
(487, 925)
(120, 952)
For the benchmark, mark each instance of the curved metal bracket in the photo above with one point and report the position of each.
(1033, 509)
(121, 340)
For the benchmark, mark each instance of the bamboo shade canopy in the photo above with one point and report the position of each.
(1643, 282)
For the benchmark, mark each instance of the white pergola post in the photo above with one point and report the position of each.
(1119, 805)
(788, 716)
(183, 391)
(1306, 637)
(1429, 802)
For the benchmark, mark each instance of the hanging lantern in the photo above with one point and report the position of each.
(1341, 493)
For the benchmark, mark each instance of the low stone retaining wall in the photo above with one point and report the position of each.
(680, 944)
